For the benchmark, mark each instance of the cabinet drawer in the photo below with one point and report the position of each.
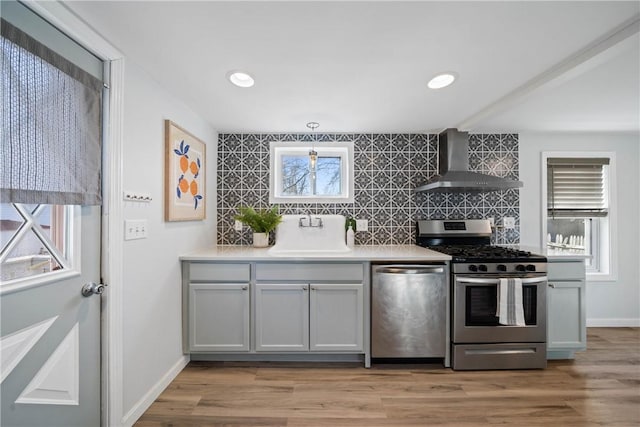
(566, 270)
(310, 271)
(219, 272)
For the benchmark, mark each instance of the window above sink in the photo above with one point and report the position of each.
(298, 176)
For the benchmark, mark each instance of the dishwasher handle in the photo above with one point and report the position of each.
(410, 269)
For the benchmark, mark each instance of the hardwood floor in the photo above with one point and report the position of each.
(600, 387)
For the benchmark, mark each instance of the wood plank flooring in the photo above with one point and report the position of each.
(601, 387)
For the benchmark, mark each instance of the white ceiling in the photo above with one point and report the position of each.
(363, 66)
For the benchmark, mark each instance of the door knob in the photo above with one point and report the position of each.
(92, 288)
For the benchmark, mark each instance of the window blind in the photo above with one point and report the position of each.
(576, 187)
(51, 125)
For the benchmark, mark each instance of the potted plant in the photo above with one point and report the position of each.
(261, 221)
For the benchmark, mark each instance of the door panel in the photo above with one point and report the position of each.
(51, 370)
(219, 316)
(566, 318)
(282, 317)
(336, 317)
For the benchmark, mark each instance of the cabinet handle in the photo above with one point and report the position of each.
(304, 288)
(313, 289)
(244, 288)
(551, 285)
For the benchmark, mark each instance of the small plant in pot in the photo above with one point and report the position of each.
(261, 221)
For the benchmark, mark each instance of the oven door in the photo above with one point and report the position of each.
(474, 311)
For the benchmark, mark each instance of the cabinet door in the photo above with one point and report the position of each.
(282, 317)
(336, 317)
(219, 317)
(566, 324)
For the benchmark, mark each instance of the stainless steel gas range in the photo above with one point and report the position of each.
(499, 311)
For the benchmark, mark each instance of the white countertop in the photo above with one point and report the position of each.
(359, 253)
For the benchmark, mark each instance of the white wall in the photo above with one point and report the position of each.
(608, 303)
(152, 344)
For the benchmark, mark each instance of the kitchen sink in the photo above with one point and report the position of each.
(310, 236)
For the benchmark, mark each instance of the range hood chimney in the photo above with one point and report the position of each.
(453, 169)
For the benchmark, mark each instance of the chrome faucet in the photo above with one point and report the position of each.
(301, 222)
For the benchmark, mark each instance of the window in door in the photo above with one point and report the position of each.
(578, 209)
(35, 240)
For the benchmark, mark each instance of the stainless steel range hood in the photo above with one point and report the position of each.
(453, 169)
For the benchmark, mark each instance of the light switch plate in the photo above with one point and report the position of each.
(237, 225)
(509, 222)
(362, 225)
(135, 229)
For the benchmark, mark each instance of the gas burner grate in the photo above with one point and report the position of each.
(484, 252)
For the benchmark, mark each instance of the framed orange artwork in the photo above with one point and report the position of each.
(185, 174)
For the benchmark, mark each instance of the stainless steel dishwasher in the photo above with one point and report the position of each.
(409, 311)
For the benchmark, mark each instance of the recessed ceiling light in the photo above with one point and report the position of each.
(240, 79)
(442, 80)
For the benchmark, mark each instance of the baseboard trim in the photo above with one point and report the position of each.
(613, 323)
(143, 404)
(279, 357)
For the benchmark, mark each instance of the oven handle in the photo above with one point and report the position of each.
(477, 352)
(525, 281)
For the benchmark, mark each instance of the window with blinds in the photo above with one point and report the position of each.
(577, 187)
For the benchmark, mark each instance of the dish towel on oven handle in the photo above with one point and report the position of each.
(510, 311)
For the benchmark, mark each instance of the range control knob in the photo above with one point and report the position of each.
(531, 267)
(482, 267)
(520, 267)
(473, 267)
(501, 267)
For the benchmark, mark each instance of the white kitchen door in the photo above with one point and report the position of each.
(50, 344)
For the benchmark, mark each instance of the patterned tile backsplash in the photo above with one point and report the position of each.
(387, 168)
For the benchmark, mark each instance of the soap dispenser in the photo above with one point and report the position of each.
(350, 236)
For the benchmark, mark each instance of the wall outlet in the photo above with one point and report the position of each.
(509, 222)
(492, 221)
(135, 229)
(362, 224)
(237, 225)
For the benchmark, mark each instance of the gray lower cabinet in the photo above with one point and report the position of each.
(219, 316)
(566, 305)
(274, 309)
(309, 317)
(217, 304)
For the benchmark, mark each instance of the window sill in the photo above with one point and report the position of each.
(601, 277)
